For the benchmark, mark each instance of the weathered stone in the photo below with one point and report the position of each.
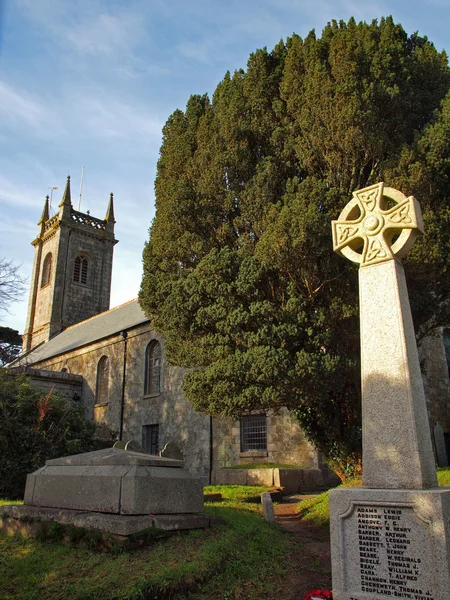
(171, 450)
(290, 480)
(174, 522)
(267, 506)
(260, 477)
(115, 481)
(293, 481)
(160, 490)
(28, 521)
(439, 442)
(390, 544)
(133, 446)
(120, 444)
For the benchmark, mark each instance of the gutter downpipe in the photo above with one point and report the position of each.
(124, 335)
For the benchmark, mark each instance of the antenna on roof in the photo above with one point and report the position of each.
(81, 189)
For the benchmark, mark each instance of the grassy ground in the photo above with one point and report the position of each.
(317, 510)
(244, 557)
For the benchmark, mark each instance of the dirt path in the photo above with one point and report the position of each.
(310, 552)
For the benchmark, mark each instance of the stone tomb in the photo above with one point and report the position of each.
(390, 538)
(112, 490)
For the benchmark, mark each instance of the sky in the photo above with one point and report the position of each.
(90, 83)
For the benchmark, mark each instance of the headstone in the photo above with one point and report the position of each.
(120, 444)
(267, 506)
(171, 450)
(439, 442)
(390, 538)
(133, 446)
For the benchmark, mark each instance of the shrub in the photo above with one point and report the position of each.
(34, 427)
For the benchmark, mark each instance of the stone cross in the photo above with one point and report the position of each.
(377, 228)
(391, 537)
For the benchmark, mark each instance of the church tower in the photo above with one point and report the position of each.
(71, 279)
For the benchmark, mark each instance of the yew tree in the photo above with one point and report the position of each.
(239, 272)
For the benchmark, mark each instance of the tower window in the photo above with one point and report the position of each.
(80, 270)
(101, 394)
(46, 270)
(253, 433)
(153, 368)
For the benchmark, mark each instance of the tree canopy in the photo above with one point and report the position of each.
(10, 344)
(239, 272)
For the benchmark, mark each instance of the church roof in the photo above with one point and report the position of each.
(92, 330)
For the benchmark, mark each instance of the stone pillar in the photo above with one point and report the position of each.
(390, 538)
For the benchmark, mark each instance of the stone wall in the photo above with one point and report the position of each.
(286, 443)
(177, 421)
(436, 379)
(66, 383)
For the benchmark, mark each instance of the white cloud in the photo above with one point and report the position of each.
(104, 117)
(22, 109)
(104, 33)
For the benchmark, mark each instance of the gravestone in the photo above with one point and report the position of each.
(267, 506)
(390, 538)
(171, 450)
(439, 442)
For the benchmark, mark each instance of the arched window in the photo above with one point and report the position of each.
(153, 368)
(80, 269)
(46, 270)
(101, 394)
(447, 348)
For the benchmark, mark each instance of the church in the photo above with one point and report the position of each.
(114, 364)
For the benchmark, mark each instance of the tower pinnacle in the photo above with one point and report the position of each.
(45, 213)
(110, 211)
(66, 199)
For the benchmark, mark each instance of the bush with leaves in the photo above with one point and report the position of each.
(35, 427)
(239, 271)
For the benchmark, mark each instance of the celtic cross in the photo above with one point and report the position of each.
(370, 231)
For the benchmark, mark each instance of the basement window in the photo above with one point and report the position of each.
(253, 433)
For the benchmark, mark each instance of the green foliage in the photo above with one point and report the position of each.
(317, 510)
(35, 427)
(239, 273)
(10, 344)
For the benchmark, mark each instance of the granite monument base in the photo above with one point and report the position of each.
(115, 481)
(389, 544)
(125, 530)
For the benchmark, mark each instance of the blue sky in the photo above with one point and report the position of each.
(91, 83)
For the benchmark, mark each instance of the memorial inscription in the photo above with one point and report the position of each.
(390, 542)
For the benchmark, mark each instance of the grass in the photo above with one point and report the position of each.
(3, 501)
(244, 554)
(265, 465)
(317, 510)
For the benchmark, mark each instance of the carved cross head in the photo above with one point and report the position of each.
(378, 224)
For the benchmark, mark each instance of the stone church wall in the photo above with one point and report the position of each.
(170, 410)
(436, 379)
(286, 443)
